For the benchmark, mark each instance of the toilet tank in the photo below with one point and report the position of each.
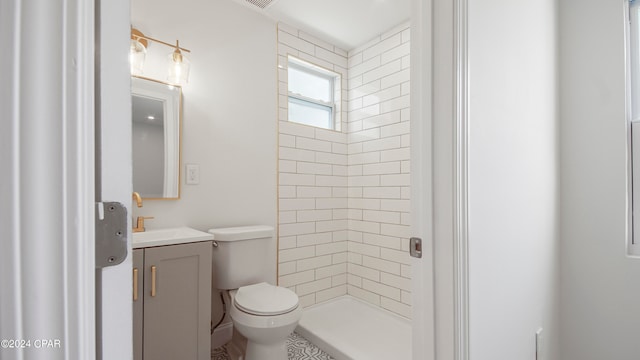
(240, 255)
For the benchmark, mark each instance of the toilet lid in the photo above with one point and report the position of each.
(265, 299)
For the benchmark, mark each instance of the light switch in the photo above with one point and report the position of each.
(193, 174)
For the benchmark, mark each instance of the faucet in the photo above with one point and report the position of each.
(140, 220)
(140, 223)
(137, 198)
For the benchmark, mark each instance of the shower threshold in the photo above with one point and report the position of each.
(350, 329)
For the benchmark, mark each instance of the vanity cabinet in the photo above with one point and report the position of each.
(172, 302)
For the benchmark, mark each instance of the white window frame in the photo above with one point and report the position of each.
(335, 84)
(633, 126)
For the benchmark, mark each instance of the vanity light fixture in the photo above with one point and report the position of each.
(179, 65)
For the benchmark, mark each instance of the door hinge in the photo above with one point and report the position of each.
(415, 247)
(111, 234)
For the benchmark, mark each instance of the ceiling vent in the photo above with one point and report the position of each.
(260, 3)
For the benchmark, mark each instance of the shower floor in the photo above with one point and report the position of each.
(350, 329)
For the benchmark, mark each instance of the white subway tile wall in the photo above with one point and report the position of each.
(344, 196)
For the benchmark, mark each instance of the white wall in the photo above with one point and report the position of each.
(600, 291)
(513, 243)
(229, 111)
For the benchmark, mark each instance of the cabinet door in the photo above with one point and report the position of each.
(177, 302)
(138, 269)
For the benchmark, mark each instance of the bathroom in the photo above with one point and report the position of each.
(521, 159)
(338, 198)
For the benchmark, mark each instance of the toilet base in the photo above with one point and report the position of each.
(256, 351)
(266, 335)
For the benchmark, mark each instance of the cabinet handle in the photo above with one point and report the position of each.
(135, 284)
(153, 281)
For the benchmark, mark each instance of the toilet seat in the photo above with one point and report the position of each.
(265, 300)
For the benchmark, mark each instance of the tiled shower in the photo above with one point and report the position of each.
(344, 195)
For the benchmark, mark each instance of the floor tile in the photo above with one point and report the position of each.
(298, 348)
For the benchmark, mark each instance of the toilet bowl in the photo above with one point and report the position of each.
(265, 315)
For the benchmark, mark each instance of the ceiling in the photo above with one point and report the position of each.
(344, 23)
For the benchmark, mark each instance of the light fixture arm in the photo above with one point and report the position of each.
(137, 35)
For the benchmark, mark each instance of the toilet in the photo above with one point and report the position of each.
(263, 313)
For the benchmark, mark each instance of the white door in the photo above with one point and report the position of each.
(114, 178)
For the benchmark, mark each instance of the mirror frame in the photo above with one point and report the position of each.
(178, 160)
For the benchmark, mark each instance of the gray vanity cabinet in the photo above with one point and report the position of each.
(172, 313)
(138, 293)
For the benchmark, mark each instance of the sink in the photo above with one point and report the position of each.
(170, 236)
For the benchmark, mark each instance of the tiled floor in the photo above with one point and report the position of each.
(219, 354)
(298, 348)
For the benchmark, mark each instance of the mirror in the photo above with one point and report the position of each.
(157, 123)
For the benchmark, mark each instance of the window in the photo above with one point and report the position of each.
(633, 96)
(314, 95)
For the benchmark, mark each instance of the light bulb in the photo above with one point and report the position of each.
(137, 53)
(178, 68)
